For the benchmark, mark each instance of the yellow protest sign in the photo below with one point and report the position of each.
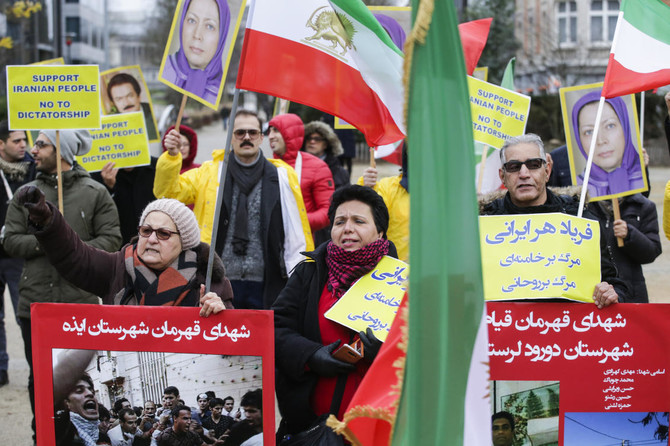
(534, 256)
(497, 113)
(374, 299)
(122, 139)
(53, 97)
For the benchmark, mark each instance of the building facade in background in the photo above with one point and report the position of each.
(563, 42)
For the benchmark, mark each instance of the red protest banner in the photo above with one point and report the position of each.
(565, 370)
(137, 351)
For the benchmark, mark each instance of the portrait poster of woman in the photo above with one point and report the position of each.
(200, 46)
(617, 168)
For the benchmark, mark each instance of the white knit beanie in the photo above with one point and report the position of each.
(183, 219)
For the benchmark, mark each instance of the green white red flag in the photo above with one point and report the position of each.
(640, 55)
(330, 55)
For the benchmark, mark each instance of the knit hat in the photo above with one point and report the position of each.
(183, 219)
(72, 142)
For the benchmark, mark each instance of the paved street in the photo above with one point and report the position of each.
(14, 404)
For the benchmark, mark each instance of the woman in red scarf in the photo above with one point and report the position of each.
(310, 381)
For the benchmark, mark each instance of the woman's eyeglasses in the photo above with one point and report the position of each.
(253, 133)
(531, 164)
(161, 234)
(315, 138)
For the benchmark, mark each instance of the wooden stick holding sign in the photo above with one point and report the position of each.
(177, 124)
(59, 173)
(617, 216)
(482, 166)
(373, 162)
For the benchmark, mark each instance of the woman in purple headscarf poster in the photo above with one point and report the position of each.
(617, 161)
(201, 34)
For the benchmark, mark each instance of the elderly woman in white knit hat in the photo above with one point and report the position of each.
(165, 265)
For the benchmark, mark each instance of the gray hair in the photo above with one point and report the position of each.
(528, 138)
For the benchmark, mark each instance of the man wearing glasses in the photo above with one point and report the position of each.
(88, 209)
(263, 225)
(525, 172)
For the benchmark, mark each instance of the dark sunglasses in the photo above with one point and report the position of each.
(253, 133)
(161, 234)
(315, 138)
(531, 164)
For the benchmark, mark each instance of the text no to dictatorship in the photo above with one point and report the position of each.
(53, 114)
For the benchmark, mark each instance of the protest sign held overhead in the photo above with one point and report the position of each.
(53, 97)
(497, 113)
(199, 48)
(122, 139)
(373, 301)
(535, 256)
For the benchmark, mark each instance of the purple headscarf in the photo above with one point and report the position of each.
(394, 30)
(624, 178)
(197, 81)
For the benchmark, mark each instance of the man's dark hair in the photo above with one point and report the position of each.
(244, 112)
(103, 413)
(253, 398)
(503, 414)
(171, 390)
(228, 398)
(211, 394)
(124, 412)
(122, 78)
(118, 405)
(138, 410)
(215, 402)
(4, 130)
(366, 195)
(179, 408)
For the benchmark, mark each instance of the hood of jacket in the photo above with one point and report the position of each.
(293, 131)
(192, 137)
(69, 176)
(334, 146)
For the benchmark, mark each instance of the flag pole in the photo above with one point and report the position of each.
(373, 163)
(642, 121)
(223, 171)
(589, 161)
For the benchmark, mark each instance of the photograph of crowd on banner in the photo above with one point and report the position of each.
(200, 46)
(179, 374)
(147, 392)
(617, 163)
(124, 90)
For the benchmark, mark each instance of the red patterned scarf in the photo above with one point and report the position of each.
(346, 267)
(172, 286)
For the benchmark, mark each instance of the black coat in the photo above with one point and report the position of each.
(14, 184)
(566, 204)
(297, 337)
(642, 244)
(272, 231)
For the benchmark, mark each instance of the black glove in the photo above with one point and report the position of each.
(33, 199)
(322, 362)
(371, 344)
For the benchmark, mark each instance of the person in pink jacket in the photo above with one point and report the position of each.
(286, 134)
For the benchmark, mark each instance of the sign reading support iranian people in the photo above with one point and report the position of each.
(535, 256)
(497, 113)
(122, 139)
(373, 301)
(53, 97)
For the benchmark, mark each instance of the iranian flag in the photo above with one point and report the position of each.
(330, 55)
(640, 56)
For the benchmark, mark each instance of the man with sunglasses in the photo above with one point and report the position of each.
(525, 173)
(263, 226)
(88, 209)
